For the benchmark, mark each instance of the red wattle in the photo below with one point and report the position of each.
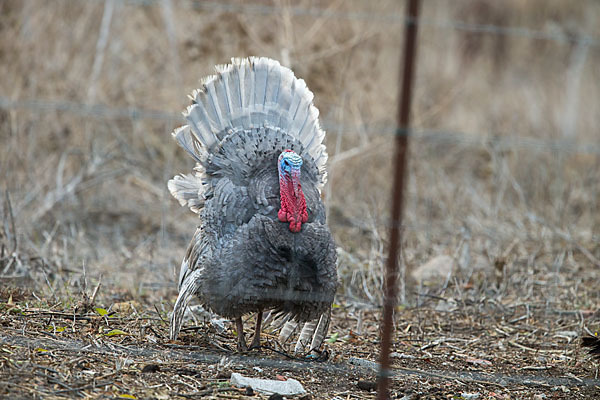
(293, 208)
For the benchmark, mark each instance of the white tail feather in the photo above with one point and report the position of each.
(305, 336)
(187, 289)
(187, 189)
(321, 331)
(288, 329)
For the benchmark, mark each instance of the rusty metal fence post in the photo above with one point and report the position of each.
(402, 132)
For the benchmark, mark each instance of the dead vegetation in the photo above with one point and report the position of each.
(504, 179)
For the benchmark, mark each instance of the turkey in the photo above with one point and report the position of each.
(263, 243)
(593, 343)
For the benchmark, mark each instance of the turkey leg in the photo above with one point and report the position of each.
(256, 339)
(241, 344)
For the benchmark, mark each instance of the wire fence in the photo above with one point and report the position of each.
(374, 17)
(566, 144)
(499, 141)
(509, 141)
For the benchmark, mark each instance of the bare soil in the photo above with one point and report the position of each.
(501, 351)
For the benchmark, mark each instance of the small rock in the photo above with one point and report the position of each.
(363, 363)
(149, 368)
(395, 354)
(249, 391)
(438, 268)
(470, 396)
(258, 369)
(539, 396)
(275, 396)
(290, 387)
(367, 385)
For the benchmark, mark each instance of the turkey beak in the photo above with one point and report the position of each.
(296, 181)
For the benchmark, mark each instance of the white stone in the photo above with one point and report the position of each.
(290, 387)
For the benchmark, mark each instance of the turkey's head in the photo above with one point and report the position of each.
(293, 204)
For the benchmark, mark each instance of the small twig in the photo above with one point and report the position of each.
(571, 375)
(48, 334)
(191, 328)
(96, 291)
(43, 263)
(534, 368)
(88, 386)
(522, 317)
(206, 392)
(52, 379)
(84, 282)
(159, 314)
(12, 223)
(100, 48)
(520, 346)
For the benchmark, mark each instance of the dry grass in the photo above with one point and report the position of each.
(508, 185)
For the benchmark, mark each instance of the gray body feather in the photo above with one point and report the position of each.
(242, 259)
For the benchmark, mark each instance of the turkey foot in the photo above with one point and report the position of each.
(241, 344)
(256, 339)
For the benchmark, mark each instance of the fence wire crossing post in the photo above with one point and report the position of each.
(402, 132)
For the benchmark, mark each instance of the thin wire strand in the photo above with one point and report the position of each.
(499, 141)
(298, 11)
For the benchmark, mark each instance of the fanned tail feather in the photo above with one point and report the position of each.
(305, 336)
(247, 94)
(287, 330)
(321, 331)
(312, 332)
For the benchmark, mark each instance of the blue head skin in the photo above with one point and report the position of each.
(289, 164)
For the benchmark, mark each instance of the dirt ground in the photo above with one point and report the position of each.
(481, 350)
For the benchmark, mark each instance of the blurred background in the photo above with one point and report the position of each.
(504, 162)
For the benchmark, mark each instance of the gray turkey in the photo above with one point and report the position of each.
(263, 243)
